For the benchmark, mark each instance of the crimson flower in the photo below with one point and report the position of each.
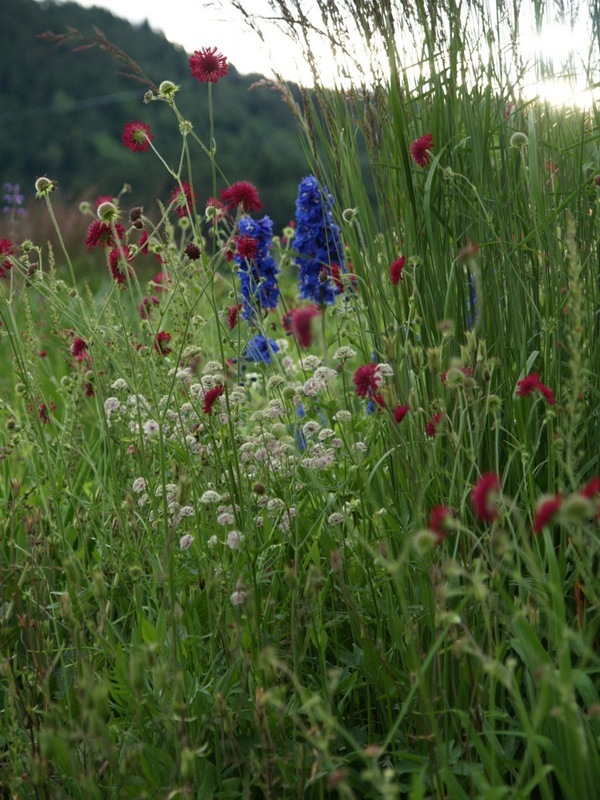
(531, 383)
(527, 385)
(246, 247)
(208, 65)
(241, 193)
(366, 380)
(161, 280)
(546, 510)
(136, 136)
(299, 323)
(484, 496)
(6, 249)
(146, 306)
(420, 148)
(161, 343)
(432, 425)
(439, 520)
(192, 251)
(79, 349)
(210, 396)
(396, 270)
(399, 413)
(233, 315)
(183, 199)
(100, 234)
(118, 258)
(591, 489)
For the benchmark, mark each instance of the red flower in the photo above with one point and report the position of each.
(210, 397)
(161, 343)
(146, 306)
(396, 270)
(242, 194)
(399, 413)
(6, 249)
(246, 247)
(192, 251)
(439, 521)
(545, 511)
(547, 392)
(299, 322)
(100, 234)
(335, 276)
(528, 385)
(117, 259)
(591, 489)
(136, 136)
(366, 380)
(483, 496)
(233, 315)
(79, 349)
(161, 280)
(419, 150)
(143, 243)
(432, 425)
(183, 199)
(208, 65)
(103, 198)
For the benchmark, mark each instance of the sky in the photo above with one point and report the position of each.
(206, 23)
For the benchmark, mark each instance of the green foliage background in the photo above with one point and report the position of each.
(62, 113)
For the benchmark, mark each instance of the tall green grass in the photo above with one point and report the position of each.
(345, 645)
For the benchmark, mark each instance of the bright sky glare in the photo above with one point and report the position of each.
(206, 23)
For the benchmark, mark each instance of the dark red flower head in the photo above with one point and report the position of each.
(299, 323)
(233, 315)
(79, 349)
(396, 270)
(431, 428)
(119, 260)
(161, 343)
(527, 385)
(183, 199)
(440, 521)
(6, 249)
(484, 496)
(136, 136)
(546, 510)
(399, 413)
(100, 234)
(242, 193)
(246, 247)
(210, 396)
(366, 380)
(420, 148)
(208, 65)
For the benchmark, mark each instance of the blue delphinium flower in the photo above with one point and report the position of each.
(319, 252)
(256, 267)
(260, 348)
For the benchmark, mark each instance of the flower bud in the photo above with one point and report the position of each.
(518, 140)
(43, 186)
(108, 212)
(167, 90)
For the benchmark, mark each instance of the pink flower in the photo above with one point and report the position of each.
(242, 194)
(366, 380)
(208, 65)
(431, 428)
(396, 270)
(420, 148)
(546, 392)
(484, 496)
(545, 512)
(591, 489)
(210, 398)
(399, 413)
(183, 199)
(79, 349)
(136, 136)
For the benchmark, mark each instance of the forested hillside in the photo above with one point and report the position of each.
(62, 112)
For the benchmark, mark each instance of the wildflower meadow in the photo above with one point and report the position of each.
(313, 512)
